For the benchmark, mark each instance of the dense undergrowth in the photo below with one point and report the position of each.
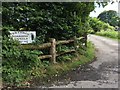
(23, 68)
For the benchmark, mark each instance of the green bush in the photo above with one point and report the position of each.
(63, 48)
(50, 20)
(65, 58)
(17, 63)
(98, 25)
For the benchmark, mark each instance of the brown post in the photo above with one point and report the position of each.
(76, 45)
(53, 50)
(75, 42)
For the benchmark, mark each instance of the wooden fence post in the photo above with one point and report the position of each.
(75, 42)
(53, 50)
(76, 45)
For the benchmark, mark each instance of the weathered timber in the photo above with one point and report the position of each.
(75, 42)
(80, 38)
(52, 45)
(49, 56)
(64, 42)
(69, 51)
(53, 50)
(37, 47)
(45, 56)
(45, 45)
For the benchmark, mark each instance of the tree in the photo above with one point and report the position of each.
(49, 20)
(110, 17)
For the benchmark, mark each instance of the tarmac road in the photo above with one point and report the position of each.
(102, 73)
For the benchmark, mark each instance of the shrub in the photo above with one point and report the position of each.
(98, 25)
(17, 63)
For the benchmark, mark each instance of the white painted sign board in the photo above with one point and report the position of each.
(24, 37)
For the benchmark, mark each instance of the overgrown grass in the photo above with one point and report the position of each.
(54, 70)
(110, 34)
(45, 71)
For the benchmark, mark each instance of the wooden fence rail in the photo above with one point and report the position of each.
(52, 45)
(45, 45)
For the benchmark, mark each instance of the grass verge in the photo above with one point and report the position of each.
(110, 34)
(47, 73)
(55, 70)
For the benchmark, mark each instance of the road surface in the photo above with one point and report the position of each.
(102, 73)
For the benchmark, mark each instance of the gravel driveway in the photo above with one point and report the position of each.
(102, 73)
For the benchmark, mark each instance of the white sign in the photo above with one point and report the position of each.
(24, 37)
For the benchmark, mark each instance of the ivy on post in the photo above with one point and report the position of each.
(53, 50)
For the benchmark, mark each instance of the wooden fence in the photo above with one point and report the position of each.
(52, 45)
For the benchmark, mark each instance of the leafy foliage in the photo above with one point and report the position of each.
(50, 20)
(109, 33)
(110, 17)
(98, 25)
(17, 63)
